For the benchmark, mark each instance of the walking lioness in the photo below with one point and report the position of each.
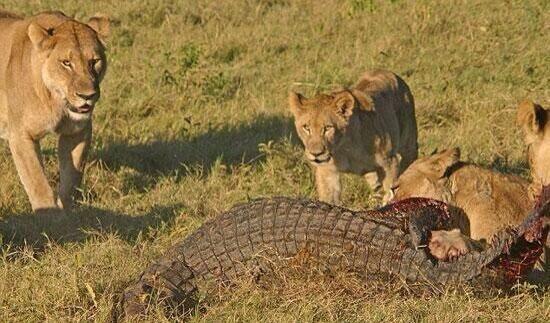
(50, 70)
(369, 130)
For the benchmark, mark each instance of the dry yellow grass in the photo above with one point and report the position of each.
(193, 119)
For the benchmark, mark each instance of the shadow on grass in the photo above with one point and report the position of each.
(519, 167)
(37, 230)
(231, 144)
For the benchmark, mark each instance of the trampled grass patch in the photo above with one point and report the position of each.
(194, 118)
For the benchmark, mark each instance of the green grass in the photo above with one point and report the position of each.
(193, 118)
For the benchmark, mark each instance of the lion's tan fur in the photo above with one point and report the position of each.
(368, 130)
(38, 96)
(484, 201)
(449, 245)
(535, 123)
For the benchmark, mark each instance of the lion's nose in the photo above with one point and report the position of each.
(87, 96)
(317, 153)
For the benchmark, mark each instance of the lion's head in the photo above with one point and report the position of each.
(322, 122)
(428, 177)
(70, 59)
(535, 122)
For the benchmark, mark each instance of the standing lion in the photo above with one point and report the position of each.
(50, 70)
(368, 130)
(535, 123)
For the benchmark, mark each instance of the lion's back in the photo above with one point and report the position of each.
(491, 200)
(8, 35)
(394, 103)
(7, 23)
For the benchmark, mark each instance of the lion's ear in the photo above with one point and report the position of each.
(39, 36)
(445, 160)
(295, 101)
(366, 102)
(345, 104)
(532, 118)
(101, 24)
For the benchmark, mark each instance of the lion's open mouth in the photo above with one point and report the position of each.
(83, 109)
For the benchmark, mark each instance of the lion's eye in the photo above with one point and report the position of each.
(328, 128)
(66, 63)
(94, 62)
(306, 128)
(95, 65)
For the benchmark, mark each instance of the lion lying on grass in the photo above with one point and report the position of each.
(484, 201)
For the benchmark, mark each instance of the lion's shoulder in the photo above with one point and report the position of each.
(377, 81)
(9, 15)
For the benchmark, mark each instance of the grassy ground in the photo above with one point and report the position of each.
(193, 119)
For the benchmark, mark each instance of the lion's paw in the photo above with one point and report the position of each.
(448, 245)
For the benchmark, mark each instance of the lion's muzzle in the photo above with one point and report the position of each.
(83, 109)
(84, 101)
(318, 157)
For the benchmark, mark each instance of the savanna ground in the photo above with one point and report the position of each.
(193, 118)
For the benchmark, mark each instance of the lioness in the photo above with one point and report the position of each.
(535, 123)
(50, 70)
(483, 201)
(368, 130)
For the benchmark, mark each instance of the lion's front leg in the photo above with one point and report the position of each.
(26, 156)
(73, 150)
(373, 180)
(390, 169)
(327, 180)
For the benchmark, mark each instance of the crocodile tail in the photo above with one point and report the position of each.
(169, 280)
